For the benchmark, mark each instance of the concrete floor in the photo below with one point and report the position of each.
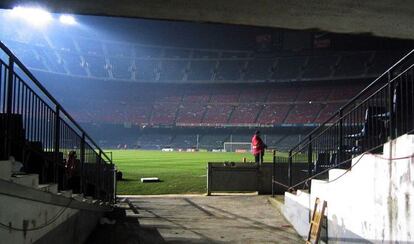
(214, 219)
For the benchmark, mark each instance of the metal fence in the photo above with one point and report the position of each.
(381, 112)
(37, 131)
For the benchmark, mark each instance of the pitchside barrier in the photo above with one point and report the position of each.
(252, 177)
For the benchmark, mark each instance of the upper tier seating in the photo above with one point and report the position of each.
(288, 68)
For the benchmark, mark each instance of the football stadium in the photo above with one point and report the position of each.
(206, 122)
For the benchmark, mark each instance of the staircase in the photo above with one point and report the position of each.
(38, 132)
(369, 202)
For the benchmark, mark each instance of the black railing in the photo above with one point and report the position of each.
(381, 112)
(40, 133)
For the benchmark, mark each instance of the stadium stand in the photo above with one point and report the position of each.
(201, 70)
(303, 114)
(319, 67)
(217, 114)
(190, 113)
(210, 142)
(220, 87)
(288, 68)
(184, 141)
(245, 113)
(351, 65)
(273, 114)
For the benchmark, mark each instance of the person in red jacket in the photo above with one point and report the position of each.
(258, 147)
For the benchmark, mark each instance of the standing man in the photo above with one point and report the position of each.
(258, 147)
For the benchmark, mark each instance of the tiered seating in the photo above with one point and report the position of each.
(217, 114)
(62, 43)
(163, 114)
(97, 65)
(176, 53)
(328, 111)
(90, 47)
(381, 62)
(245, 113)
(303, 114)
(152, 141)
(145, 69)
(344, 92)
(241, 138)
(319, 67)
(254, 94)
(352, 65)
(225, 95)
(196, 95)
(147, 52)
(119, 49)
(273, 114)
(190, 113)
(73, 63)
(184, 141)
(171, 95)
(51, 60)
(288, 68)
(229, 70)
(28, 55)
(314, 93)
(205, 54)
(213, 141)
(259, 69)
(234, 54)
(285, 94)
(121, 67)
(289, 141)
(273, 140)
(173, 70)
(201, 70)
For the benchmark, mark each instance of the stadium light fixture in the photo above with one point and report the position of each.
(67, 19)
(34, 16)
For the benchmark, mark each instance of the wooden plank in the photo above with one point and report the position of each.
(316, 222)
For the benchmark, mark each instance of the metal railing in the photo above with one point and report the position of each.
(381, 112)
(39, 132)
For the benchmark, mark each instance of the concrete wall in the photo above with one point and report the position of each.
(230, 177)
(42, 222)
(374, 201)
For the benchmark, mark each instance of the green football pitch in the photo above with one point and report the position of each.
(179, 172)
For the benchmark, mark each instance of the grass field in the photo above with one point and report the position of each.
(179, 172)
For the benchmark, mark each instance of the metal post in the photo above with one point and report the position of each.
(82, 162)
(390, 108)
(273, 173)
(310, 159)
(340, 138)
(290, 173)
(8, 135)
(392, 125)
(99, 171)
(57, 146)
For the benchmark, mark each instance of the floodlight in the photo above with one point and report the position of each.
(35, 16)
(67, 19)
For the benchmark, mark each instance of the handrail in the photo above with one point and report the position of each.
(48, 95)
(361, 93)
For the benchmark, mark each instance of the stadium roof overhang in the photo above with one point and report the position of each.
(388, 18)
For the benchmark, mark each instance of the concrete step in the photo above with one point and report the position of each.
(335, 173)
(401, 147)
(67, 193)
(79, 197)
(30, 180)
(52, 188)
(6, 170)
